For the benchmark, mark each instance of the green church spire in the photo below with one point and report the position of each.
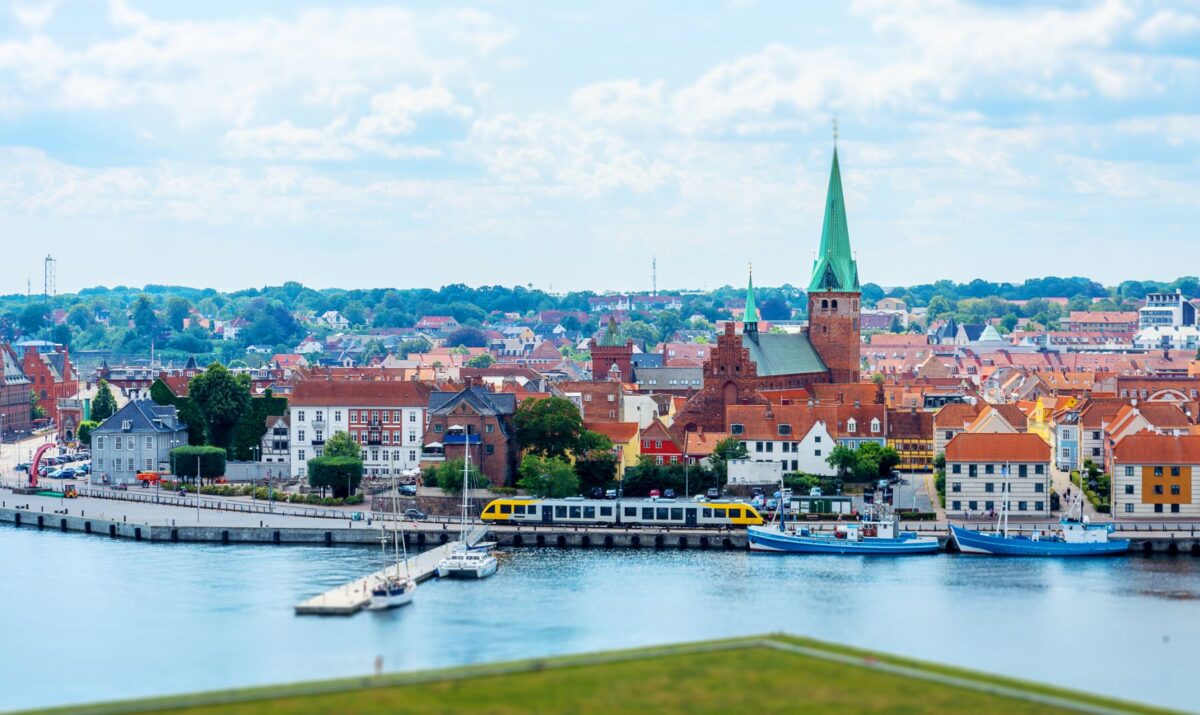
(835, 268)
(611, 337)
(750, 316)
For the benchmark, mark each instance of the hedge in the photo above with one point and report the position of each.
(341, 474)
(211, 461)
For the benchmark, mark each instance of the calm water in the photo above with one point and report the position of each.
(98, 619)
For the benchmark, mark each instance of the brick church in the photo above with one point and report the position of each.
(742, 365)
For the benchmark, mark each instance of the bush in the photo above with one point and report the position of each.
(449, 477)
(211, 461)
(504, 491)
(355, 499)
(340, 474)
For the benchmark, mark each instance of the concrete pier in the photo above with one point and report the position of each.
(350, 598)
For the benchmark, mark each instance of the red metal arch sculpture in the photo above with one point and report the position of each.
(37, 460)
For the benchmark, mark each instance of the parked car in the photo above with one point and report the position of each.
(84, 468)
(408, 490)
(757, 492)
(655, 494)
(596, 493)
(610, 494)
(713, 493)
(23, 467)
(814, 492)
(149, 478)
(414, 514)
(56, 474)
(668, 494)
(121, 487)
(69, 472)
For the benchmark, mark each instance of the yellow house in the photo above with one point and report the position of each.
(1041, 415)
(626, 444)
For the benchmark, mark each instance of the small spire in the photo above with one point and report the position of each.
(835, 133)
(750, 316)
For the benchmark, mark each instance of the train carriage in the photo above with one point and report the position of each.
(622, 512)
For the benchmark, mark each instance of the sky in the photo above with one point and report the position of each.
(237, 144)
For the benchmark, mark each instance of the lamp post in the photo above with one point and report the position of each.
(254, 454)
(197, 489)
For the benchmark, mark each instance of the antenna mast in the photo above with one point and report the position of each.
(654, 276)
(48, 277)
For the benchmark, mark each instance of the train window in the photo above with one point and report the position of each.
(719, 512)
(647, 513)
(707, 513)
(518, 508)
(560, 512)
(531, 510)
(589, 512)
(506, 508)
(490, 510)
(662, 514)
(735, 513)
(631, 511)
(677, 514)
(606, 511)
(575, 513)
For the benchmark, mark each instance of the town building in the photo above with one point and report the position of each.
(1104, 322)
(138, 437)
(612, 358)
(910, 433)
(386, 418)
(625, 440)
(275, 447)
(14, 395)
(792, 435)
(487, 431)
(1166, 310)
(51, 375)
(978, 466)
(951, 420)
(1156, 475)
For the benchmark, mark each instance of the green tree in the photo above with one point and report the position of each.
(723, 451)
(222, 399)
(481, 361)
(640, 331)
(36, 411)
(104, 405)
(83, 433)
(211, 461)
(467, 338)
(449, 477)
(144, 318)
(80, 317)
(341, 444)
(550, 427)
(548, 477)
(34, 317)
(178, 309)
(595, 463)
(843, 459)
(342, 475)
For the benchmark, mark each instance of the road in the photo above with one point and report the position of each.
(13, 453)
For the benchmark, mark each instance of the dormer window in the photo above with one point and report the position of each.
(737, 428)
(126, 425)
(785, 429)
(875, 425)
(851, 425)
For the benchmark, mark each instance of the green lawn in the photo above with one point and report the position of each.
(746, 675)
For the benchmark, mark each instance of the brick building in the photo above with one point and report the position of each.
(1156, 474)
(598, 401)
(51, 375)
(741, 365)
(489, 431)
(14, 394)
(612, 359)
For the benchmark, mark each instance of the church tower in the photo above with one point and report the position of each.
(612, 359)
(834, 294)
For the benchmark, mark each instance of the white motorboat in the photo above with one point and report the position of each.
(468, 563)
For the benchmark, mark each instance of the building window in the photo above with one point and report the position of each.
(1021, 506)
(300, 435)
(956, 486)
(989, 469)
(949, 434)
(737, 428)
(972, 505)
(1158, 489)
(1174, 470)
(785, 429)
(354, 415)
(1039, 469)
(1158, 509)
(1174, 508)
(973, 470)
(956, 505)
(1128, 508)
(816, 453)
(1129, 489)
(1158, 471)
(489, 449)
(1039, 487)
(956, 469)
(851, 425)
(1022, 470)
(300, 455)
(412, 455)
(989, 487)
(875, 426)
(117, 443)
(437, 429)
(1129, 471)
(300, 416)
(1039, 506)
(337, 415)
(817, 439)
(100, 443)
(1174, 490)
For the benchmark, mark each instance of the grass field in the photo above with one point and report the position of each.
(772, 674)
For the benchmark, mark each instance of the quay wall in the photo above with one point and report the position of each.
(427, 534)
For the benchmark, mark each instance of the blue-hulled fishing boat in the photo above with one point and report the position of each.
(877, 533)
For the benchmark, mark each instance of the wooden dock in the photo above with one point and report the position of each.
(352, 597)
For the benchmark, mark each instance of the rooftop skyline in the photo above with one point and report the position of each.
(242, 144)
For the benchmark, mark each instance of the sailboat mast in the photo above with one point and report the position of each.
(466, 473)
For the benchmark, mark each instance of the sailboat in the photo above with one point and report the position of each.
(464, 561)
(1075, 536)
(393, 590)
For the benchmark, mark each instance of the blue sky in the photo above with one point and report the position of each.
(235, 144)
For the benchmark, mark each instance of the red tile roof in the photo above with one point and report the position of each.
(988, 447)
(1158, 449)
(357, 393)
(618, 432)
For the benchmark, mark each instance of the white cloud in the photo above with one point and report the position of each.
(1175, 129)
(1166, 26)
(394, 113)
(619, 102)
(34, 15)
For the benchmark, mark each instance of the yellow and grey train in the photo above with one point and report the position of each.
(621, 512)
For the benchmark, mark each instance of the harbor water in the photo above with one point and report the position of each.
(86, 618)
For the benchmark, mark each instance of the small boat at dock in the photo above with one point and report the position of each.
(878, 532)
